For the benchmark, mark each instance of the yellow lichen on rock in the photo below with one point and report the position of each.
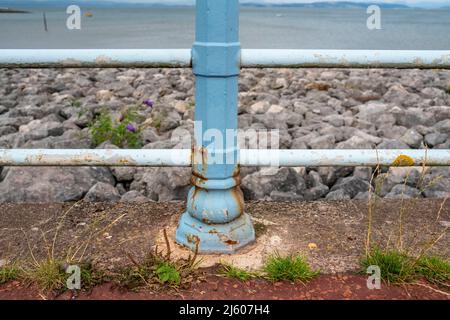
(403, 161)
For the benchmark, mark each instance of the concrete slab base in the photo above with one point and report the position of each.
(331, 235)
(250, 257)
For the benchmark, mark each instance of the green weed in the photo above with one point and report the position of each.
(9, 273)
(231, 271)
(122, 133)
(434, 269)
(291, 268)
(395, 266)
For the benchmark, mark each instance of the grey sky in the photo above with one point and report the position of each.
(411, 2)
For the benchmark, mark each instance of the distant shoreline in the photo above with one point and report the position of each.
(109, 4)
(7, 10)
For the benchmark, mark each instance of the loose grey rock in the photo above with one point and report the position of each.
(415, 116)
(285, 196)
(150, 135)
(385, 182)
(273, 121)
(36, 185)
(170, 121)
(413, 177)
(313, 179)
(15, 122)
(437, 194)
(37, 129)
(354, 142)
(7, 130)
(443, 126)
(346, 109)
(351, 186)
(401, 96)
(412, 138)
(434, 139)
(162, 184)
(121, 188)
(436, 186)
(371, 111)
(384, 120)
(392, 144)
(364, 173)
(391, 132)
(259, 107)
(402, 191)
(260, 184)
(324, 142)
(102, 192)
(134, 197)
(335, 120)
(440, 112)
(328, 175)
(316, 192)
(123, 173)
(363, 196)
(338, 195)
(445, 145)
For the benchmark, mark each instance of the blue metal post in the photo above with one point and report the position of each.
(215, 220)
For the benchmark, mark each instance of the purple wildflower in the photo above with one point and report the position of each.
(149, 103)
(131, 128)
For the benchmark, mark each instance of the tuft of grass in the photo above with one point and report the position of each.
(291, 268)
(9, 273)
(234, 272)
(91, 277)
(399, 268)
(435, 269)
(134, 277)
(104, 128)
(49, 275)
(395, 266)
(159, 269)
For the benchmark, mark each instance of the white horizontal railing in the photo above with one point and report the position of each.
(250, 58)
(248, 157)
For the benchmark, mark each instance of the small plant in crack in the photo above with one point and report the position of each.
(291, 268)
(10, 272)
(158, 269)
(122, 132)
(234, 272)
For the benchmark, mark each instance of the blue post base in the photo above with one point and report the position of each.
(215, 238)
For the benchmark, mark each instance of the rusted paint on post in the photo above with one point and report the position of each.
(215, 209)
